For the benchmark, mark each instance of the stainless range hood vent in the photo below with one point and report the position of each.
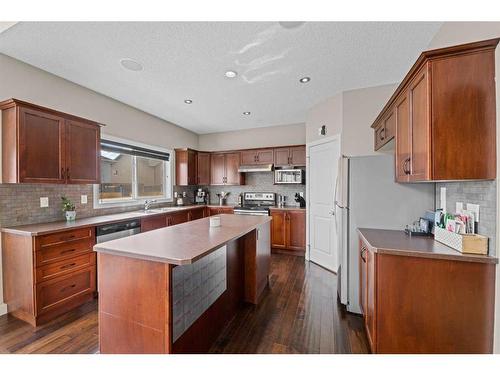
(256, 168)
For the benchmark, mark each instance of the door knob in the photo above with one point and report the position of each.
(332, 212)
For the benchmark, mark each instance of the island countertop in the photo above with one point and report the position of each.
(183, 243)
(396, 242)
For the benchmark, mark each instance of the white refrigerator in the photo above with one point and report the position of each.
(367, 196)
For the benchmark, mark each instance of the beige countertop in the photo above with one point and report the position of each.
(396, 242)
(183, 243)
(59, 226)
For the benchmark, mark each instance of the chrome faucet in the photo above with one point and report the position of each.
(148, 203)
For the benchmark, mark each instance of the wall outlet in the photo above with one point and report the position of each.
(301, 193)
(44, 202)
(83, 199)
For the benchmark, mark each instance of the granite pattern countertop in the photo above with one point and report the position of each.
(59, 226)
(183, 243)
(396, 242)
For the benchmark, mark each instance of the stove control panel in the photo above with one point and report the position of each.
(260, 196)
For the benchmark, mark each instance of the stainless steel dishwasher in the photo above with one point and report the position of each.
(108, 232)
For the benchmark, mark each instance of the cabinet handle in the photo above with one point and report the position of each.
(67, 173)
(363, 251)
(382, 134)
(67, 266)
(67, 287)
(407, 163)
(62, 174)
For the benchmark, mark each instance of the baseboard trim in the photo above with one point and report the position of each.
(3, 309)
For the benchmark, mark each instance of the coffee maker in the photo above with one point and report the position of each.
(201, 196)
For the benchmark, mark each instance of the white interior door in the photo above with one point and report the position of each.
(322, 171)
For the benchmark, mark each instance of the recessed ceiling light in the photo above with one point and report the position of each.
(188, 101)
(246, 113)
(305, 79)
(291, 24)
(131, 64)
(231, 74)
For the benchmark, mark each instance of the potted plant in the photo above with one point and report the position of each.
(68, 208)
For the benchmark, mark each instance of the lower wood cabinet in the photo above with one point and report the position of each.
(48, 275)
(289, 230)
(213, 210)
(417, 305)
(196, 213)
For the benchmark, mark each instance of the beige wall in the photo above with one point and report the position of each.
(360, 108)
(283, 135)
(328, 113)
(25, 82)
(452, 33)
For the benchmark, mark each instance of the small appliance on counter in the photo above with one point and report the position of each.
(281, 200)
(256, 204)
(300, 200)
(222, 197)
(202, 196)
(289, 176)
(180, 198)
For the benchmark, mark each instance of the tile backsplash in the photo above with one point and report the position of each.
(483, 193)
(20, 203)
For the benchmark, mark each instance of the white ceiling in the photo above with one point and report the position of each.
(188, 60)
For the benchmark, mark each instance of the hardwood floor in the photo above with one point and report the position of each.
(299, 313)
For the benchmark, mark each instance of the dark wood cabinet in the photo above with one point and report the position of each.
(290, 156)
(48, 275)
(445, 103)
(178, 218)
(153, 222)
(257, 156)
(186, 167)
(196, 213)
(214, 210)
(203, 169)
(40, 145)
(418, 305)
(385, 130)
(224, 169)
(288, 230)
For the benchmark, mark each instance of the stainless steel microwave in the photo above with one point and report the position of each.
(289, 176)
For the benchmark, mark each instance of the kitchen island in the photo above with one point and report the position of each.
(173, 289)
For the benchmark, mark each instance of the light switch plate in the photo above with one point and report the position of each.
(459, 207)
(44, 202)
(474, 208)
(83, 199)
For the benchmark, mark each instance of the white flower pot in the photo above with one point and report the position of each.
(70, 215)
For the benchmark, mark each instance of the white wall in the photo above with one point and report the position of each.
(284, 135)
(452, 33)
(360, 108)
(328, 113)
(25, 82)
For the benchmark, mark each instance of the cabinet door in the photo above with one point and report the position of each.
(213, 211)
(203, 169)
(278, 229)
(296, 230)
(192, 167)
(186, 162)
(370, 308)
(402, 155)
(233, 177)
(82, 153)
(197, 213)
(265, 156)
(298, 156)
(217, 169)
(178, 218)
(362, 277)
(249, 157)
(281, 156)
(41, 147)
(153, 222)
(420, 127)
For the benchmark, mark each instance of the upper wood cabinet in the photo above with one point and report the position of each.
(257, 156)
(290, 156)
(445, 116)
(40, 145)
(203, 168)
(186, 171)
(224, 169)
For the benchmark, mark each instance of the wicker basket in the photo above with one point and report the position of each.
(465, 243)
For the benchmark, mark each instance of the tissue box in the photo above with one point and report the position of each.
(465, 243)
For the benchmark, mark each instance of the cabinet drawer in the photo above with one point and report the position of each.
(54, 293)
(64, 267)
(61, 237)
(62, 252)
